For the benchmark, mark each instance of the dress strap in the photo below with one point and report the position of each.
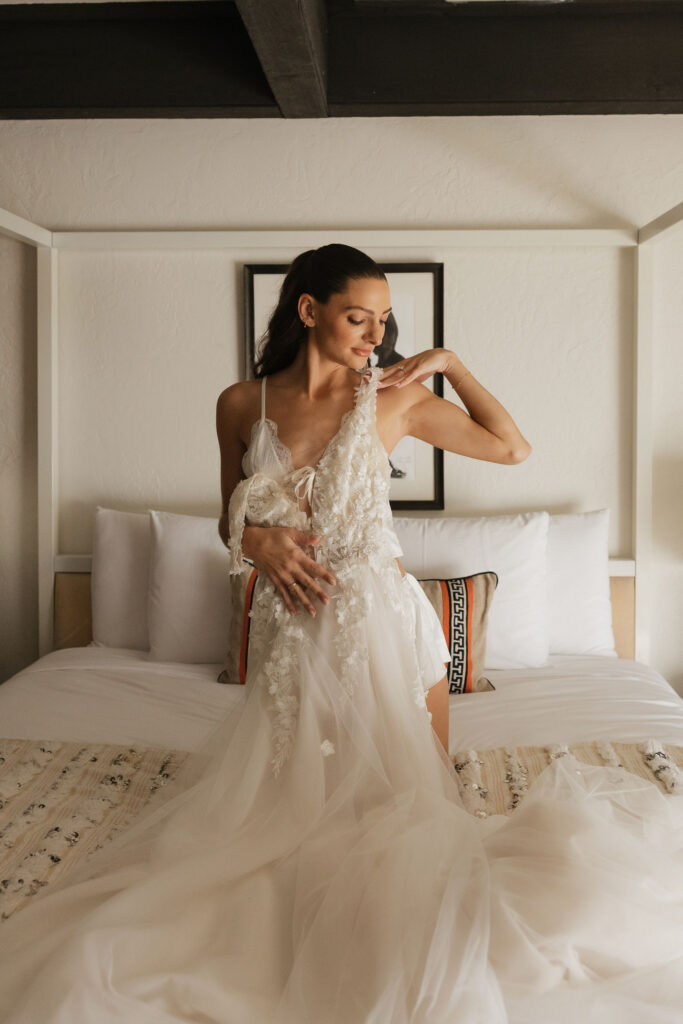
(263, 398)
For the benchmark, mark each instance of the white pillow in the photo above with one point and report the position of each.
(513, 546)
(188, 607)
(118, 580)
(579, 605)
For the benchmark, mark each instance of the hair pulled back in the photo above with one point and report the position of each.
(318, 272)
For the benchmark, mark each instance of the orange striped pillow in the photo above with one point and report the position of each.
(462, 604)
(237, 660)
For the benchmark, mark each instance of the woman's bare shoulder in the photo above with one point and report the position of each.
(239, 405)
(238, 397)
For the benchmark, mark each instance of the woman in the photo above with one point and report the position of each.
(332, 313)
(315, 862)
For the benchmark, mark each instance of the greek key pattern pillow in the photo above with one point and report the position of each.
(462, 605)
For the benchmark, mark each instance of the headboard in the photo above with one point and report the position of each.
(73, 620)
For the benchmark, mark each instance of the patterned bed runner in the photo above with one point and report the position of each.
(495, 781)
(59, 801)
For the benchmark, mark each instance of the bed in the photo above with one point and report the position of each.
(92, 730)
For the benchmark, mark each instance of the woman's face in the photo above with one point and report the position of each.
(351, 324)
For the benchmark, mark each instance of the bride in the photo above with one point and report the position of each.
(314, 861)
(333, 308)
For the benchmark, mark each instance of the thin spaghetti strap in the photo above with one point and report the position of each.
(263, 398)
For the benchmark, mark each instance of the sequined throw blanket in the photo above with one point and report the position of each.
(496, 781)
(60, 801)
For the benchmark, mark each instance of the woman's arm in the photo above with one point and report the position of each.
(275, 550)
(488, 432)
(229, 410)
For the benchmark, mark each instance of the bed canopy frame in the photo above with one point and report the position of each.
(48, 245)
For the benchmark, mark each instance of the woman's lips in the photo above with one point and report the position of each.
(362, 352)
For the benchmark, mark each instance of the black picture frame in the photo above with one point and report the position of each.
(417, 301)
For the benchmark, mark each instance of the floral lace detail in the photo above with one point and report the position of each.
(260, 500)
(348, 493)
(281, 451)
(348, 510)
(284, 453)
(280, 675)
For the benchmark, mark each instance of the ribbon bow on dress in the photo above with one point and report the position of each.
(303, 479)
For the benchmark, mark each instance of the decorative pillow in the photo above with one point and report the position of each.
(119, 578)
(512, 545)
(579, 603)
(242, 597)
(462, 605)
(188, 606)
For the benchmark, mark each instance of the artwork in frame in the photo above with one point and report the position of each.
(414, 324)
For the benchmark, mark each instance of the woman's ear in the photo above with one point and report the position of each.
(305, 308)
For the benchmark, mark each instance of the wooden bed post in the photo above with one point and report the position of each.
(643, 439)
(47, 442)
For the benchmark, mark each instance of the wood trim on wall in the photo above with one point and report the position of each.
(73, 615)
(73, 618)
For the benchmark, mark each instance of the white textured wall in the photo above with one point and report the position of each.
(147, 340)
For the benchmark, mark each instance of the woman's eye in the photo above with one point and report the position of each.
(356, 322)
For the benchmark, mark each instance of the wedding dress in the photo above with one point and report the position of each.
(314, 863)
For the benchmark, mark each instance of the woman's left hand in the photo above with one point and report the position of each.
(416, 368)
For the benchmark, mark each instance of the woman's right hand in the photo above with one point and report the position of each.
(278, 551)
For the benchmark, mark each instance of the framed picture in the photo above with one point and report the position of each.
(414, 324)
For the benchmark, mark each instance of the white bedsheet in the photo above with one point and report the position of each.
(576, 699)
(114, 695)
(118, 696)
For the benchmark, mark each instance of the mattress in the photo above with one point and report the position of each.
(88, 735)
(575, 699)
(119, 696)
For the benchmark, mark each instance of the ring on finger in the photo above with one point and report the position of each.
(292, 585)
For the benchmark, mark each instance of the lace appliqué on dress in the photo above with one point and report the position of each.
(349, 496)
(260, 500)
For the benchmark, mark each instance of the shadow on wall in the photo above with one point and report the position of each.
(667, 508)
(667, 556)
(18, 458)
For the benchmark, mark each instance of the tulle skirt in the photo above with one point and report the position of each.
(353, 887)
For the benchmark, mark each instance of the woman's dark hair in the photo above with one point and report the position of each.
(385, 351)
(318, 272)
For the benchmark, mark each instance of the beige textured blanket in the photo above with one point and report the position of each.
(59, 801)
(495, 781)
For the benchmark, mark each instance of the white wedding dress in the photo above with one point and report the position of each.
(314, 864)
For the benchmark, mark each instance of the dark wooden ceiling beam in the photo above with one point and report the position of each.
(183, 59)
(569, 58)
(290, 38)
(195, 58)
